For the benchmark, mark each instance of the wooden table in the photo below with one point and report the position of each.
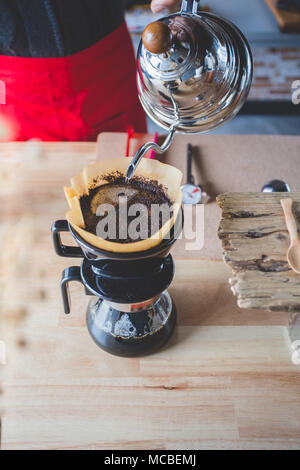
(225, 380)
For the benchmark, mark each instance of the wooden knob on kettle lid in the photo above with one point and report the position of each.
(157, 37)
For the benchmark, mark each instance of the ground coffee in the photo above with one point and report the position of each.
(119, 194)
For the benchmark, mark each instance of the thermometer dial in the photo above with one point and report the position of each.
(191, 194)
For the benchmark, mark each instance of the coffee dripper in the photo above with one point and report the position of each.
(194, 72)
(131, 312)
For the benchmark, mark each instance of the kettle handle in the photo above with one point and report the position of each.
(189, 6)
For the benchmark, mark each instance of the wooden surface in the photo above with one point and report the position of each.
(288, 20)
(226, 379)
(255, 241)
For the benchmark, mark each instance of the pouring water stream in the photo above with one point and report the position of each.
(152, 145)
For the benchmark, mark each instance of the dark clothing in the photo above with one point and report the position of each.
(69, 70)
(55, 28)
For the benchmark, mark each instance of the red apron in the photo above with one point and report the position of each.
(75, 97)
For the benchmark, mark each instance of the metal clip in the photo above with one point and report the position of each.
(189, 6)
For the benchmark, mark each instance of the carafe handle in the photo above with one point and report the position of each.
(68, 275)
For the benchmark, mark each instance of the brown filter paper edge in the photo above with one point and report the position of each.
(90, 177)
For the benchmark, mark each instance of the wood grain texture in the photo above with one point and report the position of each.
(255, 242)
(225, 380)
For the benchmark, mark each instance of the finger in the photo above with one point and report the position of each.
(159, 5)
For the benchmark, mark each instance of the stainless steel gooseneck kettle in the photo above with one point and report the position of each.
(194, 72)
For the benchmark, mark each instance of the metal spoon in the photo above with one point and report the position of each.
(293, 254)
(276, 186)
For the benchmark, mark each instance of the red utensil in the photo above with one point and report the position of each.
(152, 153)
(130, 133)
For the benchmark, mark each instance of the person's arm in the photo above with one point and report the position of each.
(159, 5)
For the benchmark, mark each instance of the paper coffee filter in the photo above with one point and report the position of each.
(94, 176)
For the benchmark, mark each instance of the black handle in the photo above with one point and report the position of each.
(60, 249)
(68, 275)
(190, 178)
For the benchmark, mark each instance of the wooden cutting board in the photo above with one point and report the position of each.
(255, 243)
